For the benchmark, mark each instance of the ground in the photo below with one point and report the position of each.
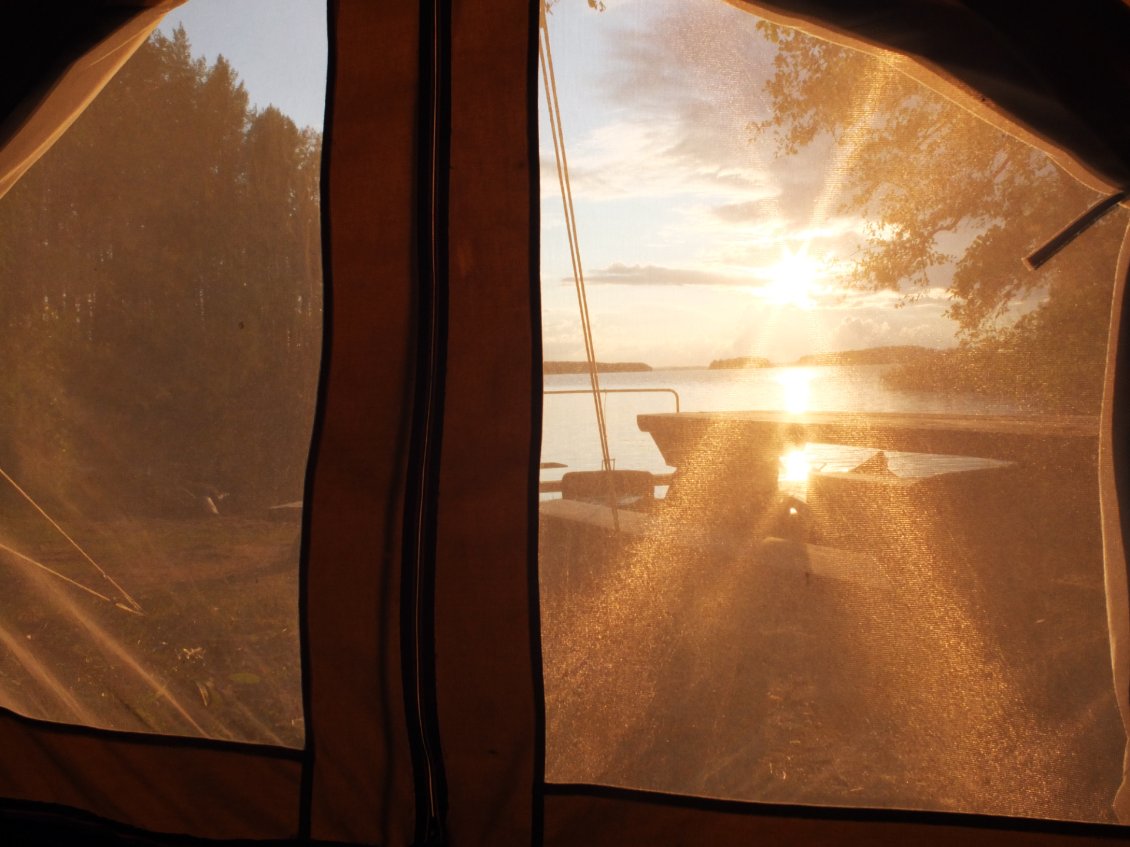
(214, 652)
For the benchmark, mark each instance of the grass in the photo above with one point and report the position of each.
(215, 653)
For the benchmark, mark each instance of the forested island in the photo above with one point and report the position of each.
(870, 356)
(1063, 381)
(554, 368)
(740, 362)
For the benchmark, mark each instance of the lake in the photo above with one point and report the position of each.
(570, 437)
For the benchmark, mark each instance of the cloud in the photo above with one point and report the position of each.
(676, 194)
(826, 292)
(621, 274)
(857, 331)
(875, 328)
(703, 61)
(751, 278)
(669, 120)
(749, 211)
(681, 84)
(763, 241)
(637, 157)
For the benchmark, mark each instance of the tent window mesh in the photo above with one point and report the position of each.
(162, 316)
(848, 550)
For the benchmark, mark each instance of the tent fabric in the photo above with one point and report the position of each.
(34, 120)
(361, 780)
(354, 783)
(604, 819)
(1113, 470)
(484, 651)
(1058, 78)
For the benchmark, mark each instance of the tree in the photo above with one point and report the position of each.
(161, 311)
(926, 174)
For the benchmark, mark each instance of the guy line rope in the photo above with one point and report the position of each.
(130, 605)
(545, 54)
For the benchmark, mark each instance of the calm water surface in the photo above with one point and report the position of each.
(570, 435)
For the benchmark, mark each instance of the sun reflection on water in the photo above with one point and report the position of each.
(795, 464)
(796, 389)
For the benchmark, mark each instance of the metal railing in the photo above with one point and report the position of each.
(554, 486)
(670, 391)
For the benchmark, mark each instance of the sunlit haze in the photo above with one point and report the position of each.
(793, 280)
(697, 242)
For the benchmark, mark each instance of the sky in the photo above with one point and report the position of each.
(278, 48)
(697, 242)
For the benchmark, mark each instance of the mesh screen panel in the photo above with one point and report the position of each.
(869, 567)
(162, 314)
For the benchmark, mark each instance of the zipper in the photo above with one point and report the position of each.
(419, 566)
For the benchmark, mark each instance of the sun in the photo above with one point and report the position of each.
(793, 280)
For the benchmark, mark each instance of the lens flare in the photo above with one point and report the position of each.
(793, 280)
(795, 387)
(795, 466)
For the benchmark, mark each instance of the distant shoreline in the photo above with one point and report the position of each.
(1052, 382)
(740, 362)
(601, 367)
(893, 355)
(890, 355)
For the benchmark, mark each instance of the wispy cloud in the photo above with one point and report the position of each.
(621, 274)
(746, 212)
(759, 282)
(648, 158)
(681, 84)
(687, 220)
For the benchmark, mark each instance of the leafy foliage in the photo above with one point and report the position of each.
(949, 201)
